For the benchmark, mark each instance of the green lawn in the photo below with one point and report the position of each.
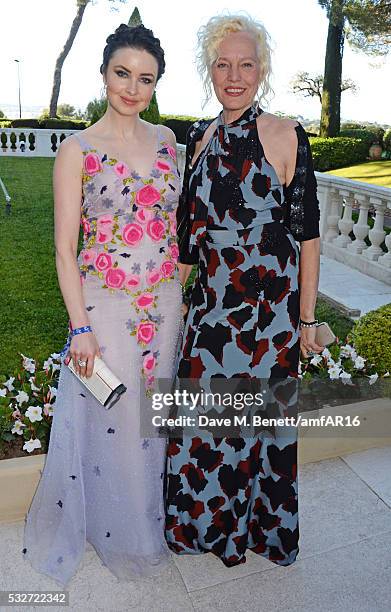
(33, 319)
(376, 172)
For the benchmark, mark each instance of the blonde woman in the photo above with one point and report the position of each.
(249, 194)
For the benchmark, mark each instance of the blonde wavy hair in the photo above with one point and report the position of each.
(209, 38)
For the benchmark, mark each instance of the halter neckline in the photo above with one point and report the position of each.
(251, 113)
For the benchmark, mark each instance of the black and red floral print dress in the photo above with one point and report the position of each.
(240, 225)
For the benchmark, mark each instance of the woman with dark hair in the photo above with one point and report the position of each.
(119, 180)
(249, 194)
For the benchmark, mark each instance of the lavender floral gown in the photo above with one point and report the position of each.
(102, 482)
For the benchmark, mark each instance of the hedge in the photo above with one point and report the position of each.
(179, 124)
(47, 123)
(331, 153)
(369, 134)
(387, 141)
(372, 338)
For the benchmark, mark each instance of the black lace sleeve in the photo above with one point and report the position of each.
(188, 254)
(301, 202)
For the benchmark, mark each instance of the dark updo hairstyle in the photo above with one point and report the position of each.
(138, 37)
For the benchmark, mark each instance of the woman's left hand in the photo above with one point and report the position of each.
(307, 342)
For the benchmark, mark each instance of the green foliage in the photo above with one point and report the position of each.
(387, 141)
(1, 114)
(348, 125)
(135, 19)
(330, 153)
(48, 123)
(66, 110)
(369, 134)
(179, 124)
(151, 114)
(339, 323)
(371, 336)
(96, 109)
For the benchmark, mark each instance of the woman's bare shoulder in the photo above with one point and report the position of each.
(277, 124)
(167, 133)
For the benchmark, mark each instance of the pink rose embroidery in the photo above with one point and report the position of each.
(105, 222)
(163, 166)
(147, 196)
(174, 251)
(132, 233)
(171, 151)
(103, 262)
(92, 164)
(86, 226)
(156, 229)
(145, 332)
(149, 363)
(153, 277)
(115, 277)
(145, 300)
(89, 256)
(167, 268)
(132, 281)
(143, 215)
(121, 170)
(173, 222)
(103, 236)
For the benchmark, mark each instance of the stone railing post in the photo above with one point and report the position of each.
(361, 228)
(377, 233)
(385, 260)
(346, 223)
(334, 215)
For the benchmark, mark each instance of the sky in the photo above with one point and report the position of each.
(35, 31)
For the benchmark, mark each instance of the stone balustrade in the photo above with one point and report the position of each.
(30, 142)
(351, 242)
(354, 243)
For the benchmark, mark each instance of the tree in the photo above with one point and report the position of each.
(366, 25)
(311, 86)
(1, 114)
(66, 110)
(81, 6)
(95, 109)
(135, 18)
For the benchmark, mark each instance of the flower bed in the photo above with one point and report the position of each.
(27, 402)
(27, 399)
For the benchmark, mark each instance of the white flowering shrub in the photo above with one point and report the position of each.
(27, 402)
(342, 362)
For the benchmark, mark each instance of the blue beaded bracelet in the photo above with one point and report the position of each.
(74, 332)
(81, 330)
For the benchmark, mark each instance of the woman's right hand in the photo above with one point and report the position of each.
(83, 347)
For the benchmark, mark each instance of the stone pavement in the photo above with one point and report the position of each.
(349, 288)
(344, 561)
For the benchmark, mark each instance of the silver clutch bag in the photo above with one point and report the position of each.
(103, 384)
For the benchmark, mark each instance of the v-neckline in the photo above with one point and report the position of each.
(120, 161)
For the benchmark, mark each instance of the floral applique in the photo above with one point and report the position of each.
(148, 213)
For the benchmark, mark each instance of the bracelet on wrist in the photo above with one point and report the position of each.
(308, 323)
(81, 330)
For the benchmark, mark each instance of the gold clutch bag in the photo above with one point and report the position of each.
(324, 335)
(103, 384)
